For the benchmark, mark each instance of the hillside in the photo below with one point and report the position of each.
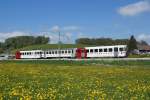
(49, 46)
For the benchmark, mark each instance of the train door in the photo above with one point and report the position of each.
(42, 54)
(116, 53)
(18, 55)
(81, 53)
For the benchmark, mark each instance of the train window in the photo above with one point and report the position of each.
(55, 52)
(105, 50)
(91, 50)
(52, 52)
(69, 51)
(110, 49)
(62, 52)
(96, 50)
(120, 49)
(65, 51)
(116, 49)
(100, 50)
(59, 51)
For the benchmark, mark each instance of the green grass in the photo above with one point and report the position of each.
(89, 80)
(139, 56)
(81, 63)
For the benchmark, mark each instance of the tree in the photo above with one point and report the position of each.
(132, 44)
(102, 41)
(143, 42)
(1, 47)
(41, 40)
(22, 41)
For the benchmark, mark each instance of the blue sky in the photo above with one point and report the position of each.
(75, 19)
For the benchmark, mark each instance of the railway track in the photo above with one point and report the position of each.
(96, 59)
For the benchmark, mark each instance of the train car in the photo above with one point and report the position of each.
(87, 52)
(31, 54)
(106, 51)
(62, 53)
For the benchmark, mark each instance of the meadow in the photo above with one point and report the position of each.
(74, 80)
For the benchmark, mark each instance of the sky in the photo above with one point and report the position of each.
(117, 19)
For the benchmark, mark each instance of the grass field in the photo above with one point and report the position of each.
(72, 80)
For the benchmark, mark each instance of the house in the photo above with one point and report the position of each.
(143, 49)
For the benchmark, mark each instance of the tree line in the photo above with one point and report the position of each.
(22, 41)
(101, 41)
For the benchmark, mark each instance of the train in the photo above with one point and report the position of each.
(77, 53)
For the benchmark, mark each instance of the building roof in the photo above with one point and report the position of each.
(143, 47)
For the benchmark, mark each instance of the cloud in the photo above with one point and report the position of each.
(64, 37)
(55, 28)
(135, 8)
(67, 33)
(81, 35)
(71, 28)
(4, 36)
(145, 37)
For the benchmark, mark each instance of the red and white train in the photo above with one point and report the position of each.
(86, 52)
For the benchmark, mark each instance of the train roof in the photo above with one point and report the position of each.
(31, 51)
(46, 50)
(107, 46)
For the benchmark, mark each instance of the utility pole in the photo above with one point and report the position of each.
(59, 46)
